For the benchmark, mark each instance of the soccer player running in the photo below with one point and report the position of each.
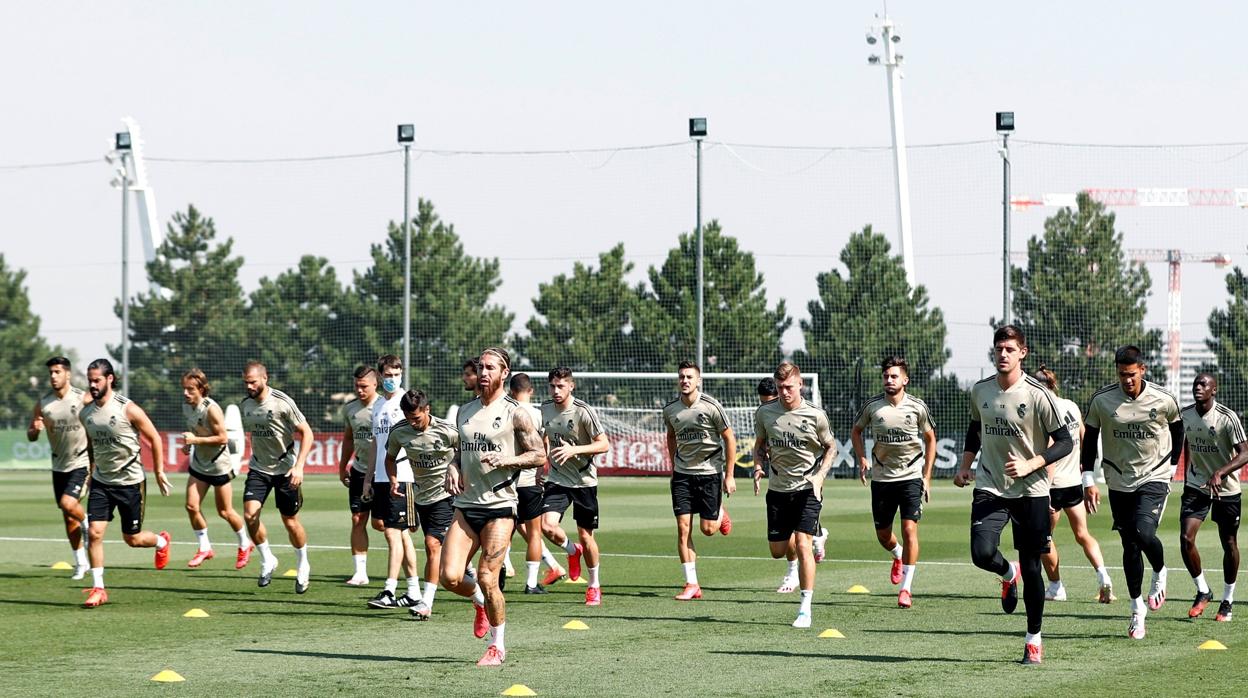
(792, 434)
(1216, 448)
(1016, 429)
(357, 442)
(529, 488)
(497, 438)
(273, 420)
(1066, 495)
(574, 436)
(900, 467)
(57, 413)
(114, 425)
(206, 442)
(392, 513)
(1140, 432)
(703, 451)
(429, 444)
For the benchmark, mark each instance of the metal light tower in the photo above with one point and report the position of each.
(697, 131)
(1005, 126)
(122, 145)
(407, 134)
(887, 32)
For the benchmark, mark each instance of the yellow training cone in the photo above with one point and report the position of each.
(291, 573)
(168, 676)
(578, 580)
(831, 632)
(1211, 645)
(195, 613)
(518, 689)
(575, 625)
(62, 565)
(857, 589)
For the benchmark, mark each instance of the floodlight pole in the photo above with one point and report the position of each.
(125, 276)
(407, 264)
(701, 273)
(1005, 227)
(901, 170)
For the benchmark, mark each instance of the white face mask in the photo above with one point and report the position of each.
(391, 384)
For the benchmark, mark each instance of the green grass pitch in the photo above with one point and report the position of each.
(735, 641)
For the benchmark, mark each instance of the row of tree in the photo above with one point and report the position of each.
(1077, 298)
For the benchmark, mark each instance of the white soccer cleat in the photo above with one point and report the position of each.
(819, 544)
(1157, 595)
(80, 571)
(357, 581)
(1055, 592)
(802, 620)
(1135, 631)
(788, 585)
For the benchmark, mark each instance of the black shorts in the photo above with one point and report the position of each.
(583, 500)
(355, 491)
(394, 511)
(477, 518)
(436, 518)
(696, 494)
(889, 497)
(129, 500)
(1147, 501)
(213, 480)
(289, 498)
(788, 512)
(1065, 497)
(1196, 505)
(71, 482)
(1028, 516)
(530, 506)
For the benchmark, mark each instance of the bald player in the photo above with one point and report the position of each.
(497, 439)
(794, 436)
(900, 466)
(1139, 429)
(57, 413)
(114, 425)
(357, 452)
(206, 442)
(1216, 449)
(273, 420)
(703, 451)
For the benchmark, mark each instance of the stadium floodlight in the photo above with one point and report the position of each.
(697, 131)
(873, 59)
(871, 38)
(896, 38)
(1005, 126)
(1005, 122)
(697, 127)
(122, 141)
(406, 133)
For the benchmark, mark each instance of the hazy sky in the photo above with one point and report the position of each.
(242, 80)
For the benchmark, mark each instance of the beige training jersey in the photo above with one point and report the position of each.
(1067, 471)
(114, 442)
(206, 460)
(272, 423)
(66, 437)
(1211, 439)
(795, 440)
(698, 428)
(1013, 423)
(531, 477)
(487, 429)
(1135, 434)
(430, 452)
(898, 434)
(357, 418)
(577, 425)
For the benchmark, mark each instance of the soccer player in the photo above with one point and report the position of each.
(1140, 432)
(429, 444)
(704, 452)
(792, 434)
(529, 489)
(392, 513)
(1066, 494)
(1013, 418)
(900, 466)
(57, 412)
(206, 441)
(114, 426)
(273, 420)
(574, 436)
(468, 375)
(357, 441)
(1216, 448)
(497, 439)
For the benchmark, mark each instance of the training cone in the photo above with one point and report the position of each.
(578, 625)
(578, 580)
(832, 632)
(857, 589)
(291, 573)
(1211, 645)
(518, 689)
(62, 565)
(195, 613)
(168, 676)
